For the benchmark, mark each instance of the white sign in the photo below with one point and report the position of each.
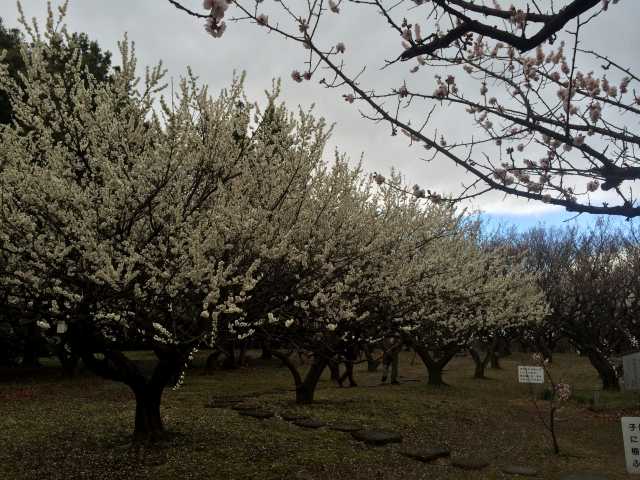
(631, 437)
(530, 374)
(631, 370)
(61, 327)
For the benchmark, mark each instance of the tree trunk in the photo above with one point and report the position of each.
(545, 347)
(546, 352)
(435, 367)
(305, 390)
(266, 350)
(480, 363)
(499, 348)
(230, 361)
(605, 370)
(68, 361)
(334, 367)
(116, 366)
(31, 346)
(211, 363)
(148, 422)
(148, 425)
(495, 361)
(348, 375)
(435, 376)
(504, 347)
(372, 363)
(552, 430)
(242, 355)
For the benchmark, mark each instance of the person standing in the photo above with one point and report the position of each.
(350, 352)
(392, 346)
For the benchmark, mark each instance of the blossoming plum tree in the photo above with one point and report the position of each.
(590, 281)
(124, 220)
(467, 294)
(23, 339)
(346, 259)
(334, 233)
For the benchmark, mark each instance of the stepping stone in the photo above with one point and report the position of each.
(261, 414)
(230, 399)
(292, 417)
(223, 402)
(345, 427)
(377, 437)
(309, 423)
(219, 404)
(469, 463)
(584, 476)
(427, 454)
(520, 470)
(303, 476)
(244, 406)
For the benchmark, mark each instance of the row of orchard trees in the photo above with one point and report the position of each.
(127, 215)
(590, 281)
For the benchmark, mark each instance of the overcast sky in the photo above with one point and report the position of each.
(163, 33)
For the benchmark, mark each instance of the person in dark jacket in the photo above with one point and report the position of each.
(350, 352)
(392, 345)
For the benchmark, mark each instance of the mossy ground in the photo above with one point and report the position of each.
(55, 428)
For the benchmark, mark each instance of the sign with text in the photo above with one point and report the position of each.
(528, 374)
(631, 437)
(631, 371)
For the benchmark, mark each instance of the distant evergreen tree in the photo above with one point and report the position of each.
(96, 60)
(10, 41)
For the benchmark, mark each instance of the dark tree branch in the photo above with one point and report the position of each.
(552, 25)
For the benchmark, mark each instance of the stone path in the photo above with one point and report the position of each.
(260, 414)
(427, 454)
(377, 437)
(309, 423)
(244, 406)
(382, 437)
(219, 404)
(469, 463)
(292, 417)
(223, 402)
(523, 470)
(584, 476)
(345, 427)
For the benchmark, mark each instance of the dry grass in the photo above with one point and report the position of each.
(51, 428)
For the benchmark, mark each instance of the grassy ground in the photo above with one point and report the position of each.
(52, 428)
